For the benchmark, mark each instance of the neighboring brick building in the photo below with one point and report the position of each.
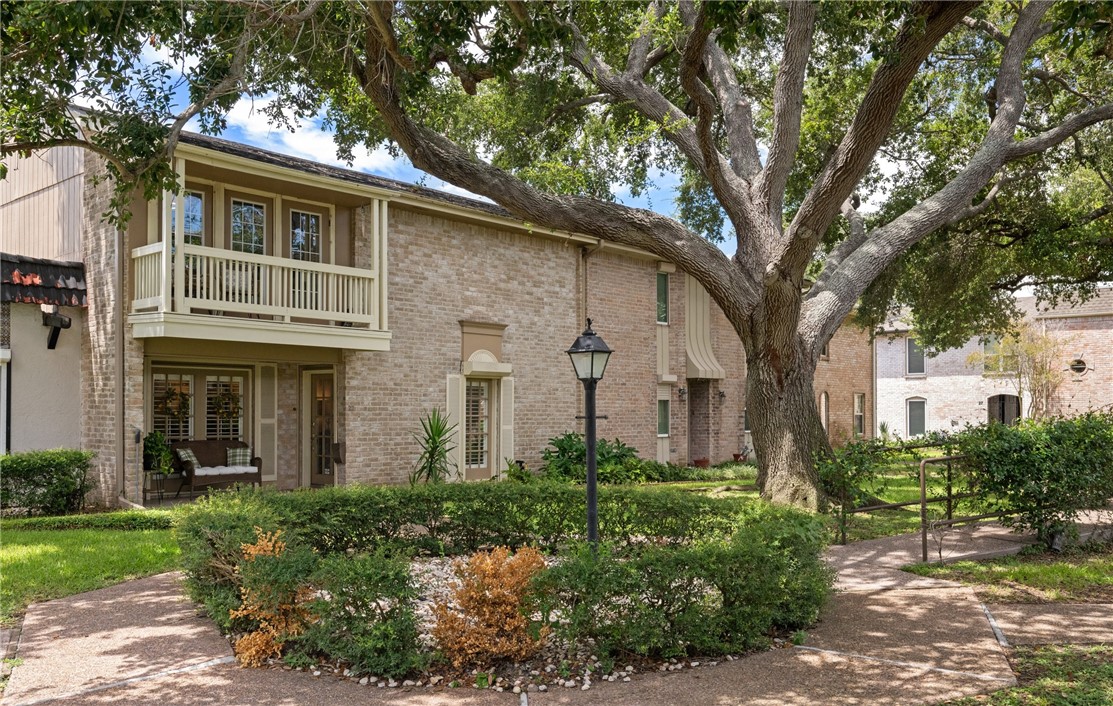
(918, 393)
(323, 345)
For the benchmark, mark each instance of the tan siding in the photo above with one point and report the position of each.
(41, 205)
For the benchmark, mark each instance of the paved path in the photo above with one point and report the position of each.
(886, 638)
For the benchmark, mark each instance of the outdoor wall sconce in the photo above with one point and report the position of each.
(682, 393)
(56, 322)
(722, 395)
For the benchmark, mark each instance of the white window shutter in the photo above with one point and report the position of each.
(506, 424)
(454, 408)
(266, 437)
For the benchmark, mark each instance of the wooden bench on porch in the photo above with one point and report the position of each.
(212, 466)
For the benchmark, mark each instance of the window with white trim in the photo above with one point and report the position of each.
(996, 360)
(224, 402)
(305, 236)
(917, 417)
(860, 413)
(193, 206)
(249, 226)
(172, 405)
(914, 357)
(662, 297)
(477, 424)
(663, 417)
(824, 410)
(201, 403)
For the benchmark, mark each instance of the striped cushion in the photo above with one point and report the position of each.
(239, 456)
(187, 456)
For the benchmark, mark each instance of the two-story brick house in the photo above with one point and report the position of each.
(317, 313)
(918, 393)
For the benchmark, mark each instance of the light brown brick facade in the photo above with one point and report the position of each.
(445, 269)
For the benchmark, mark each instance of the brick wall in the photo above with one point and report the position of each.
(846, 371)
(955, 392)
(103, 431)
(442, 272)
(1089, 338)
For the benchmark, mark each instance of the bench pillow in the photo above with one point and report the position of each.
(187, 456)
(239, 456)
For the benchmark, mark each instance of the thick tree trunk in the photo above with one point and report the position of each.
(786, 430)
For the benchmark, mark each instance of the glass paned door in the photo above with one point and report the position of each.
(321, 431)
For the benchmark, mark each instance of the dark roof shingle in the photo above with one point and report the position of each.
(32, 280)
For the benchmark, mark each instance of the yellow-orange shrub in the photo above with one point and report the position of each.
(277, 606)
(490, 620)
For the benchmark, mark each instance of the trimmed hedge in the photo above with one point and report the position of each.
(714, 596)
(123, 520)
(618, 464)
(1045, 471)
(45, 482)
(456, 518)
(681, 573)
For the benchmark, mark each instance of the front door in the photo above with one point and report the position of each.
(319, 424)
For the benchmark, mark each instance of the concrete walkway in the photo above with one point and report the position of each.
(885, 638)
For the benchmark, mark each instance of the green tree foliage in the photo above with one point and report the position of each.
(974, 129)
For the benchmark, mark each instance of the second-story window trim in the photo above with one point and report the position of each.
(248, 222)
(914, 361)
(306, 235)
(662, 297)
(194, 225)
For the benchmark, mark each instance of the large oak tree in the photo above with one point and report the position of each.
(780, 118)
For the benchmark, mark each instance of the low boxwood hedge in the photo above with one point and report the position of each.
(122, 520)
(51, 482)
(680, 573)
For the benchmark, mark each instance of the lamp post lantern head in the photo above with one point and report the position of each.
(589, 355)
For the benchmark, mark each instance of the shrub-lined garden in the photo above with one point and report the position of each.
(327, 574)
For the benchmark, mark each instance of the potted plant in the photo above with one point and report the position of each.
(157, 455)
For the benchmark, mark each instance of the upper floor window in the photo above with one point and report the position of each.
(662, 297)
(305, 236)
(248, 226)
(914, 356)
(825, 352)
(995, 359)
(193, 206)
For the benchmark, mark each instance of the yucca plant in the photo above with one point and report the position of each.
(435, 439)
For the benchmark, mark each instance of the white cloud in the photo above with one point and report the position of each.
(308, 141)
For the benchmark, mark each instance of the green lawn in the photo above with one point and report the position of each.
(1055, 675)
(37, 565)
(1080, 575)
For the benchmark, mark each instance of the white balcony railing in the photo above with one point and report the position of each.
(218, 281)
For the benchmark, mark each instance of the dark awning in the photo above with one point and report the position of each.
(32, 280)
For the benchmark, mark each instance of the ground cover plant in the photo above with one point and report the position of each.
(679, 573)
(1080, 574)
(41, 564)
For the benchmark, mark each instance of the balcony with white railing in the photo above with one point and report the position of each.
(197, 292)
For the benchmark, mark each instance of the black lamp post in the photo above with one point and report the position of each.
(589, 356)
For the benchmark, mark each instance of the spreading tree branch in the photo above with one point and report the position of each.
(788, 105)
